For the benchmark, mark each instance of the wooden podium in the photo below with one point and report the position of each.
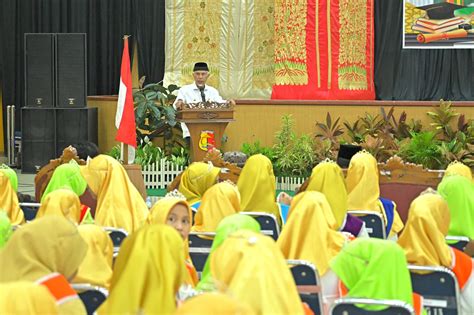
(206, 123)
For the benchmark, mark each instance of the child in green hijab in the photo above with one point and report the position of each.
(68, 176)
(227, 226)
(5, 228)
(11, 174)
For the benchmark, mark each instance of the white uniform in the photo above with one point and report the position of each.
(191, 94)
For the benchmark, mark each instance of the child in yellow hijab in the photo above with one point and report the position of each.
(309, 234)
(250, 267)
(423, 240)
(257, 186)
(458, 168)
(62, 202)
(176, 212)
(214, 303)
(9, 200)
(196, 179)
(119, 204)
(51, 252)
(148, 273)
(219, 201)
(26, 298)
(362, 182)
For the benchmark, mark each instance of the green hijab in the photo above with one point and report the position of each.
(458, 191)
(67, 176)
(5, 228)
(227, 226)
(374, 269)
(11, 174)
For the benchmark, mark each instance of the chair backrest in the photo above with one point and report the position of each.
(346, 306)
(458, 242)
(373, 222)
(200, 244)
(117, 236)
(92, 296)
(268, 223)
(308, 283)
(30, 209)
(439, 288)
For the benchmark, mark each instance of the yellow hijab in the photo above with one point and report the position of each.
(257, 186)
(220, 201)
(196, 179)
(457, 168)
(214, 303)
(250, 267)
(119, 204)
(327, 178)
(41, 247)
(148, 273)
(9, 201)
(96, 268)
(309, 231)
(26, 298)
(423, 238)
(62, 202)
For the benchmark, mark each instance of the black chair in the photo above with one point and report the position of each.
(200, 244)
(92, 296)
(439, 288)
(268, 223)
(349, 306)
(308, 283)
(458, 242)
(373, 222)
(30, 209)
(117, 236)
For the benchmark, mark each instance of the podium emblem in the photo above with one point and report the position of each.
(207, 140)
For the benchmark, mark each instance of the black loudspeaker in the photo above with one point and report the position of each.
(39, 70)
(75, 125)
(346, 151)
(38, 143)
(71, 70)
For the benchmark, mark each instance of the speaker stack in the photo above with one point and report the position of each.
(55, 112)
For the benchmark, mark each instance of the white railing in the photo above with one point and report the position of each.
(289, 183)
(161, 173)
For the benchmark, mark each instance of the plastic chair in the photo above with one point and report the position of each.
(458, 242)
(308, 283)
(199, 248)
(439, 288)
(373, 222)
(349, 306)
(117, 235)
(268, 223)
(92, 296)
(30, 209)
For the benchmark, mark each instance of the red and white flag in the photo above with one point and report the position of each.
(125, 116)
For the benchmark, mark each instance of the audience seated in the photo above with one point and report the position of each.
(69, 176)
(362, 182)
(423, 240)
(96, 268)
(196, 179)
(457, 168)
(9, 200)
(214, 303)
(375, 269)
(227, 226)
(250, 267)
(11, 174)
(148, 273)
(119, 204)
(218, 202)
(46, 251)
(26, 298)
(61, 202)
(176, 213)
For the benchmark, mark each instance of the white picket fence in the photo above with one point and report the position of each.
(163, 172)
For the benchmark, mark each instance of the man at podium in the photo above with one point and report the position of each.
(197, 92)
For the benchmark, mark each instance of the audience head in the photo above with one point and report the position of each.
(11, 174)
(174, 212)
(69, 176)
(214, 303)
(62, 202)
(200, 73)
(9, 201)
(26, 298)
(86, 149)
(196, 179)
(458, 168)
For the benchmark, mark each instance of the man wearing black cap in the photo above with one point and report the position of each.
(197, 92)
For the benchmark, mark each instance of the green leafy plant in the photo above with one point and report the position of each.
(114, 152)
(256, 148)
(355, 131)
(442, 117)
(147, 153)
(423, 148)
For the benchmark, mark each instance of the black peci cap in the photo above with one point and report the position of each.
(200, 66)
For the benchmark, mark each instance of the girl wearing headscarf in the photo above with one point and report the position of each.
(423, 240)
(362, 182)
(96, 268)
(219, 201)
(119, 204)
(148, 273)
(375, 269)
(196, 179)
(257, 186)
(227, 226)
(458, 168)
(250, 267)
(5, 228)
(458, 191)
(214, 303)
(11, 174)
(176, 212)
(309, 234)
(9, 200)
(51, 252)
(26, 298)
(62, 202)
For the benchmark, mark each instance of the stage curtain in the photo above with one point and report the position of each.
(417, 74)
